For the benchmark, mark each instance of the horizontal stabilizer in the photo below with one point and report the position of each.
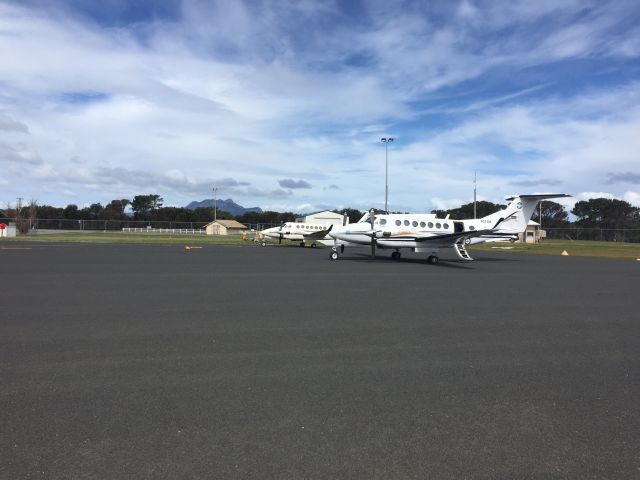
(542, 196)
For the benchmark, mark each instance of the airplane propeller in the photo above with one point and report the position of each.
(372, 219)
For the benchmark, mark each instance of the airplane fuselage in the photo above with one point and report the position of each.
(397, 230)
(400, 230)
(294, 231)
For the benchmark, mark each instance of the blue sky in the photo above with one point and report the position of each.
(282, 104)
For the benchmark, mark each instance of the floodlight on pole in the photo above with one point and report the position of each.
(475, 179)
(215, 204)
(386, 141)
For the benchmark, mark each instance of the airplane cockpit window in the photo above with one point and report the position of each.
(398, 222)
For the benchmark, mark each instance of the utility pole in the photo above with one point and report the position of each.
(540, 222)
(475, 179)
(386, 141)
(215, 204)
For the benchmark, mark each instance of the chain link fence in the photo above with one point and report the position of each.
(34, 226)
(598, 234)
(570, 233)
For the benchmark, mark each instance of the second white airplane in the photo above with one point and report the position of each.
(425, 233)
(297, 232)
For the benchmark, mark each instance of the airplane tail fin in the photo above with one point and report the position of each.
(516, 216)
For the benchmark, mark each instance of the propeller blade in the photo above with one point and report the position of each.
(280, 240)
(372, 219)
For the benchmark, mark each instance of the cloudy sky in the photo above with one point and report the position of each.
(281, 104)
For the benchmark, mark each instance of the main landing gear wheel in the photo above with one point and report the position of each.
(302, 244)
(313, 245)
(432, 259)
(334, 255)
(263, 243)
(395, 255)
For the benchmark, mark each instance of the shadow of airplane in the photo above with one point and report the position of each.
(443, 263)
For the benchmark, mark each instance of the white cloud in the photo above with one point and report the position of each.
(9, 124)
(229, 96)
(441, 204)
(18, 153)
(632, 197)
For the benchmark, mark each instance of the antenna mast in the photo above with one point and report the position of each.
(475, 178)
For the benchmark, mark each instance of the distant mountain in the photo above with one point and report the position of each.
(227, 205)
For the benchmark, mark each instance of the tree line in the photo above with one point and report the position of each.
(602, 213)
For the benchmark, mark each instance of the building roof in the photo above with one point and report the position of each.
(320, 211)
(228, 224)
(327, 213)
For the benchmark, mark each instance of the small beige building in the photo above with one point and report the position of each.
(533, 233)
(225, 227)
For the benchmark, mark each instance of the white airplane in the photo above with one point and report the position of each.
(425, 233)
(297, 231)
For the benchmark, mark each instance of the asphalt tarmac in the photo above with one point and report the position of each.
(138, 361)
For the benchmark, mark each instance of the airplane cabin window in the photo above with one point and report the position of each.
(406, 223)
(414, 223)
(446, 225)
(422, 224)
(383, 221)
(471, 227)
(438, 225)
(398, 222)
(430, 224)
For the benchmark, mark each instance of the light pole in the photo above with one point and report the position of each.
(215, 204)
(386, 141)
(475, 178)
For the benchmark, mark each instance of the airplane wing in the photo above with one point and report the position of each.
(442, 240)
(450, 238)
(318, 235)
